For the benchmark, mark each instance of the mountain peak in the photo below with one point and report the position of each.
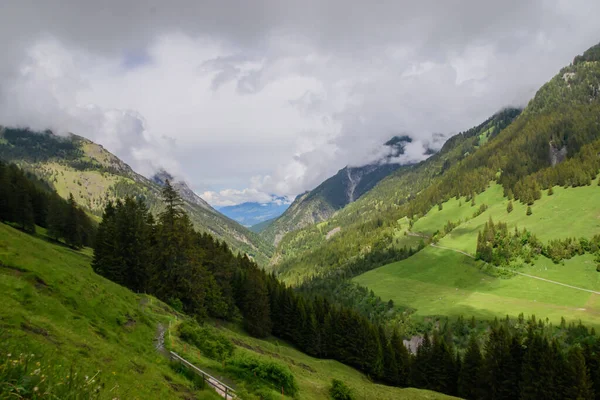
(162, 176)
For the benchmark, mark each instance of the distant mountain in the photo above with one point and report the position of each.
(336, 192)
(93, 175)
(258, 228)
(252, 213)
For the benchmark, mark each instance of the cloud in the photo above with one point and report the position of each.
(230, 197)
(246, 100)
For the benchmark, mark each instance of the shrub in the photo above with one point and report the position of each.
(275, 375)
(211, 344)
(339, 391)
(529, 212)
(196, 380)
(509, 207)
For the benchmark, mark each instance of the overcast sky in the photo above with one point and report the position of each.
(247, 99)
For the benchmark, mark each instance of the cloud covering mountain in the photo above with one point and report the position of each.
(249, 99)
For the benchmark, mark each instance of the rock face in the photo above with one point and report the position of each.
(557, 155)
(336, 192)
(182, 188)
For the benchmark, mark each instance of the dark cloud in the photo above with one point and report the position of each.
(290, 90)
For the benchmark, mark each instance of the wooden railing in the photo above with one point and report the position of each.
(221, 388)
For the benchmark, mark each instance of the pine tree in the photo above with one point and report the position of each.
(403, 360)
(255, 306)
(529, 212)
(579, 384)
(509, 207)
(470, 375)
(72, 225)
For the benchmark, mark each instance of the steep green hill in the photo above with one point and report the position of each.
(349, 184)
(76, 165)
(373, 221)
(56, 307)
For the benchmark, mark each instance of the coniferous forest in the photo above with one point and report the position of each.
(523, 358)
(27, 201)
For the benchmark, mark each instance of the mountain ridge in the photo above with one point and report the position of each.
(347, 185)
(74, 164)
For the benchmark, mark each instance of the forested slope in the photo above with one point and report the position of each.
(75, 165)
(555, 141)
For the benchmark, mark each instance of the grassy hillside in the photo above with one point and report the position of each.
(445, 282)
(55, 306)
(442, 282)
(373, 221)
(345, 187)
(94, 176)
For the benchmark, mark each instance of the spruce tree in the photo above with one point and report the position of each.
(72, 225)
(579, 383)
(255, 304)
(509, 207)
(470, 375)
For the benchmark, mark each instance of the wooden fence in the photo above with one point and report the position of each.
(221, 388)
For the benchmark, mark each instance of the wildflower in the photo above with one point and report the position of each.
(37, 363)
(35, 389)
(86, 377)
(36, 372)
(9, 354)
(114, 373)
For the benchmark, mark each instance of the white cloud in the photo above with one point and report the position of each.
(245, 101)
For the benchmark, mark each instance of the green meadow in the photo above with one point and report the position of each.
(55, 306)
(442, 282)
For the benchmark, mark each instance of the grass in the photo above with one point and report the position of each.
(54, 303)
(442, 282)
(312, 375)
(571, 212)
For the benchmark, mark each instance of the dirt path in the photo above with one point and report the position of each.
(519, 273)
(159, 340)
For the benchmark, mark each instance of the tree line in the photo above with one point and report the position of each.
(27, 202)
(201, 276)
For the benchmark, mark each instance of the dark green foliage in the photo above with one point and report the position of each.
(496, 245)
(509, 207)
(339, 391)
(254, 302)
(529, 212)
(275, 375)
(470, 376)
(211, 344)
(27, 201)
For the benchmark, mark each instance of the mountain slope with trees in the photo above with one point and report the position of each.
(77, 166)
(345, 187)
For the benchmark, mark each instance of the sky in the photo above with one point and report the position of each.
(250, 100)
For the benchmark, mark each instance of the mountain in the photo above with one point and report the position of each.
(182, 188)
(369, 223)
(76, 165)
(252, 213)
(343, 188)
(553, 144)
(258, 228)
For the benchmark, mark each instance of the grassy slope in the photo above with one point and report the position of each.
(83, 318)
(107, 177)
(313, 375)
(438, 281)
(53, 301)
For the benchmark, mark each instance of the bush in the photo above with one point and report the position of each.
(275, 375)
(196, 380)
(339, 391)
(211, 344)
(529, 212)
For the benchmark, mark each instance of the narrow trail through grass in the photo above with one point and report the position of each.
(517, 272)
